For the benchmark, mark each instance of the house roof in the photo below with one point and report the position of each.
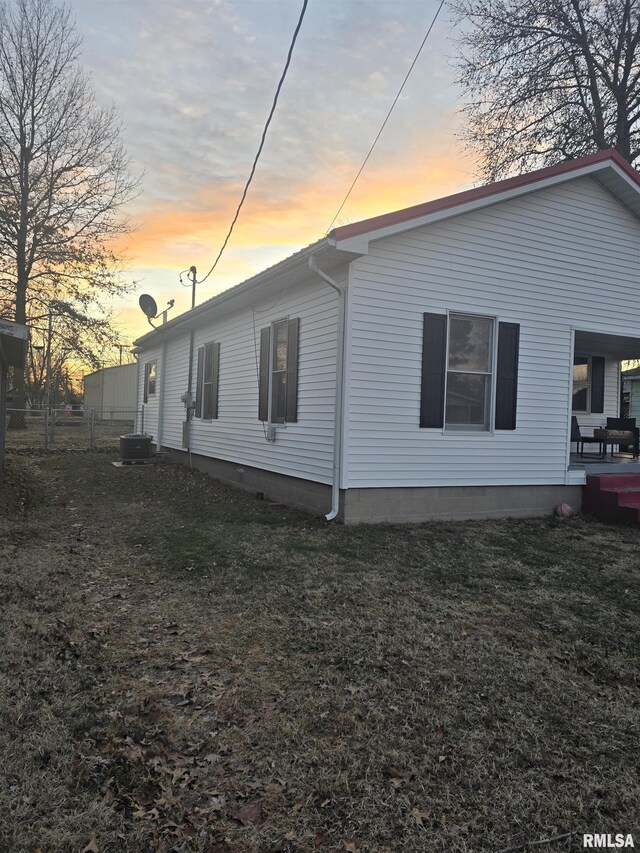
(347, 242)
(595, 165)
(120, 367)
(292, 269)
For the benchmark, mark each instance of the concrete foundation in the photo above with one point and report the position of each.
(292, 491)
(399, 505)
(440, 503)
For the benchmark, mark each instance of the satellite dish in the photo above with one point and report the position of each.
(148, 305)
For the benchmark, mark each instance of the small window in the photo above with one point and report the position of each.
(469, 372)
(207, 381)
(278, 385)
(150, 377)
(280, 335)
(581, 384)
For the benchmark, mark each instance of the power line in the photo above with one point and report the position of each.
(262, 140)
(384, 123)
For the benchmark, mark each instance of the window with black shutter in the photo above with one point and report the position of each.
(150, 377)
(278, 391)
(463, 360)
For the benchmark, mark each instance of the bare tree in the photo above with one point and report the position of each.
(548, 80)
(63, 178)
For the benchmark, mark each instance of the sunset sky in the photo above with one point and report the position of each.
(193, 81)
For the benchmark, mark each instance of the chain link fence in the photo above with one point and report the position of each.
(69, 429)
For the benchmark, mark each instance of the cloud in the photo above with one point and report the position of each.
(273, 225)
(194, 82)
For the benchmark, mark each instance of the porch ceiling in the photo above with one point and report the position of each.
(619, 347)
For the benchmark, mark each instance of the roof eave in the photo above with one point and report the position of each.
(290, 267)
(357, 237)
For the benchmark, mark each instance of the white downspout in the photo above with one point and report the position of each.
(139, 421)
(337, 421)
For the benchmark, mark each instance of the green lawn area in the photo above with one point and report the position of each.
(186, 668)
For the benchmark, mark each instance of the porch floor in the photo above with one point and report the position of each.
(591, 463)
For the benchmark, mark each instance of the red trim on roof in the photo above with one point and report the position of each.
(398, 216)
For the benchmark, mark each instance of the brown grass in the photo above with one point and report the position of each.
(186, 668)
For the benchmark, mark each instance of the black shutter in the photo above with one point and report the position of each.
(145, 390)
(199, 382)
(215, 381)
(507, 375)
(293, 332)
(434, 354)
(597, 384)
(207, 378)
(263, 390)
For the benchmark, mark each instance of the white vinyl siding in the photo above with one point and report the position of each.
(303, 449)
(561, 258)
(175, 385)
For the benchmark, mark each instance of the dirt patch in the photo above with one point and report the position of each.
(186, 668)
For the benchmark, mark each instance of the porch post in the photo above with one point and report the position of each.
(572, 346)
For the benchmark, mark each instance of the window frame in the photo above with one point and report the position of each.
(290, 368)
(283, 321)
(586, 384)
(148, 379)
(490, 402)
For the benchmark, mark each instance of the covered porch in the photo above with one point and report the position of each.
(596, 401)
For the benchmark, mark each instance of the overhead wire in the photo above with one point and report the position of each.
(387, 117)
(262, 140)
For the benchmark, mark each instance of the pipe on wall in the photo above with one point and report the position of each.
(338, 407)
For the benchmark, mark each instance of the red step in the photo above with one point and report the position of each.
(613, 497)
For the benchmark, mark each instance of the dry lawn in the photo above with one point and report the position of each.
(186, 668)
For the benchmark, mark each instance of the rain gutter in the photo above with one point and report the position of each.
(338, 407)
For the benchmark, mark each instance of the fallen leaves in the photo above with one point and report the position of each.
(418, 815)
(249, 813)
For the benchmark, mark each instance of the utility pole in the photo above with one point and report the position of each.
(193, 272)
(47, 384)
(48, 431)
(188, 397)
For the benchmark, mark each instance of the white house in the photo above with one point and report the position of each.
(111, 391)
(421, 364)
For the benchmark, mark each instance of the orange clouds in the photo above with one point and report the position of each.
(271, 226)
(171, 237)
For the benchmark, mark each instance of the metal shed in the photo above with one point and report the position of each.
(111, 390)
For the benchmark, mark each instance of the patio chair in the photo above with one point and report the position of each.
(626, 425)
(580, 439)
